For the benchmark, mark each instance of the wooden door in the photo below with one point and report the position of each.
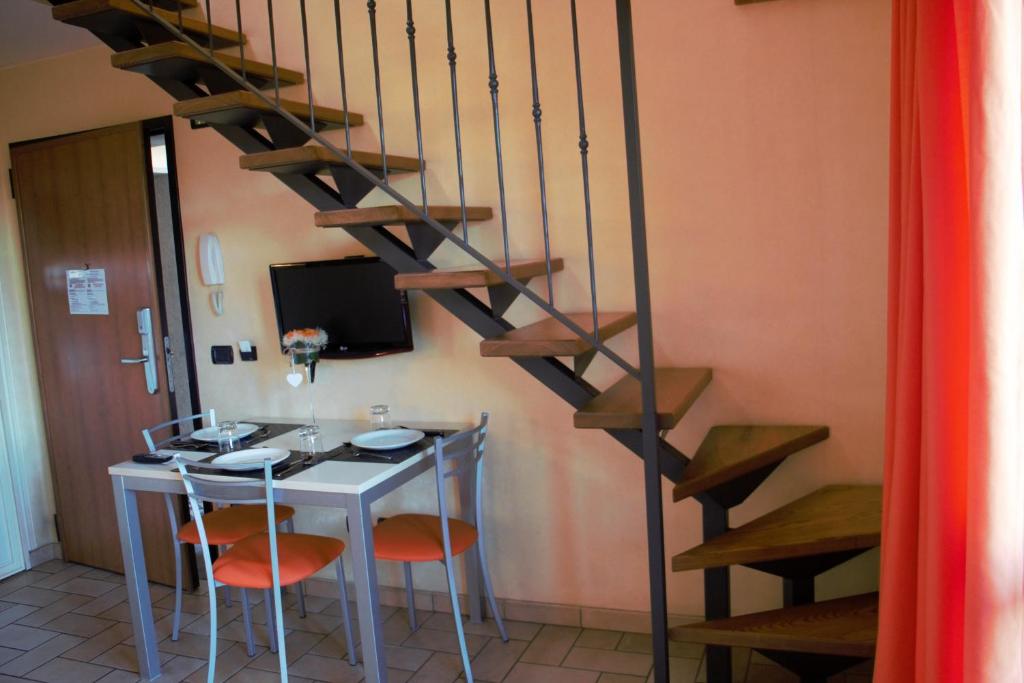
(83, 202)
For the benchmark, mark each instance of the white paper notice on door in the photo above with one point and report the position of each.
(87, 292)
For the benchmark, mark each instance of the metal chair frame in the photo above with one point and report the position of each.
(201, 488)
(458, 456)
(209, 419)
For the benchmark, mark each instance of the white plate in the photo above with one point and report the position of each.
(387, 439)
(210, 433)
(250, 459)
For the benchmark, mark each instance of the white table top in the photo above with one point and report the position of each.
(332, 476)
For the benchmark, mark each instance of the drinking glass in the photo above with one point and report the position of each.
(380, 416)
(310, 442)
(227, 436)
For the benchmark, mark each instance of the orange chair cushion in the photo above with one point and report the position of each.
(246, 564)
(232, 524)
(417, 538)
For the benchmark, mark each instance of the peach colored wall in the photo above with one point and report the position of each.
(765, 148)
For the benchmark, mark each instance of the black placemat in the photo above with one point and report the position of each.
(267, 431)
(291, 465)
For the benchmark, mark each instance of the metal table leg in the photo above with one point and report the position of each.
(367, 595)
(136, 580)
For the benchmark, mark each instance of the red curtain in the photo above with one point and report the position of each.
(952, 586)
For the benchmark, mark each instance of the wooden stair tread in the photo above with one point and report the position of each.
(473, 276)
(731, 451)
(162, 4)
(844, 627)
(396, 214)
(102, 16)
(549, 337)
(620, 407)
(163, 59)
(223, 108)
(318, 159)
(832, 519)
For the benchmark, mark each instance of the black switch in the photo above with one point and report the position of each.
(222, 355)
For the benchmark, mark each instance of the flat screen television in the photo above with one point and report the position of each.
(354, 300)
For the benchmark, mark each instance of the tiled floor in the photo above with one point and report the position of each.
(64, 623)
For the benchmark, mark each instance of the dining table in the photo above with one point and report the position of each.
(352, 483)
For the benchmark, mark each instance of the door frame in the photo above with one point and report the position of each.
(11, 439)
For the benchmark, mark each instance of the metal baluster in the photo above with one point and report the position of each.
(371, 7)
(341, 71)
(209, 26)
(273, 53)
(645, 344)
(492, 81)
(241, 44)
(540, 150)
(458, 123)
(584, 149)
(309, 74)
(181, 21)
(410, 29)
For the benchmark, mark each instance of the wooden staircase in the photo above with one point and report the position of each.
(796, 542)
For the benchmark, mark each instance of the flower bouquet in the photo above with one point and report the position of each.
(303, 347)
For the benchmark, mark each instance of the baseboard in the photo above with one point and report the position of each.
(516, 610)
(44, 553)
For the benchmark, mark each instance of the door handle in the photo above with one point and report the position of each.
(144, 319)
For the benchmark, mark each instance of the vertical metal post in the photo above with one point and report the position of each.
(181, 20)
(540, 150)
(209, 26)
(455, 113)
(341, 71)
(584, 151)
(371, 8)
(241, 44)
(410, 30)
(309, 72)
(645, 334)
(717, 603)
(273, 53)
(492, 82)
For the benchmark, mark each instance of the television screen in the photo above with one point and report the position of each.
(354, 300)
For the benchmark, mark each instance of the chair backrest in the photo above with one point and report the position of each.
(461, 456)
(209, 419)
(203, 486)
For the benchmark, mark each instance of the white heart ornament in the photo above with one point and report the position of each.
(294, 378)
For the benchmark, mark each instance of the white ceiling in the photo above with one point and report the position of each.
(28, 32)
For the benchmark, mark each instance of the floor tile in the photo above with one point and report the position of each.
(16, 613)
(104, 575)
(326, 669)
(599, 640)
(13, 583)
(179, 668)
(79, 625)
(36, 597)
(65, 604)
(96, 606)
(496, 659)
(83, 586)
(524, 672)
(405, 658)
(680, 670)
(620, 678)
(641, 643)
(297, 643)
(37, 656)
(333, 644)
(100, 643)
(124, 658)
(229, 662)
(444, 641)
(118, 676)
(257, 676)
(518, 630)
(611, 661)
(52, 566)
(312, 622)
(191, 645)
(740, 664)
(551, 645)
(63, 576)
(23, 637)
(9, 653)
(440, 668)
(66, 670)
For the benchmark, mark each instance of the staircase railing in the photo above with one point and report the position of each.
(627, 63)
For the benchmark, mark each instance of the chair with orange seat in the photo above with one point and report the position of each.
(410, 538)
(265, 561)
(224, 527)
